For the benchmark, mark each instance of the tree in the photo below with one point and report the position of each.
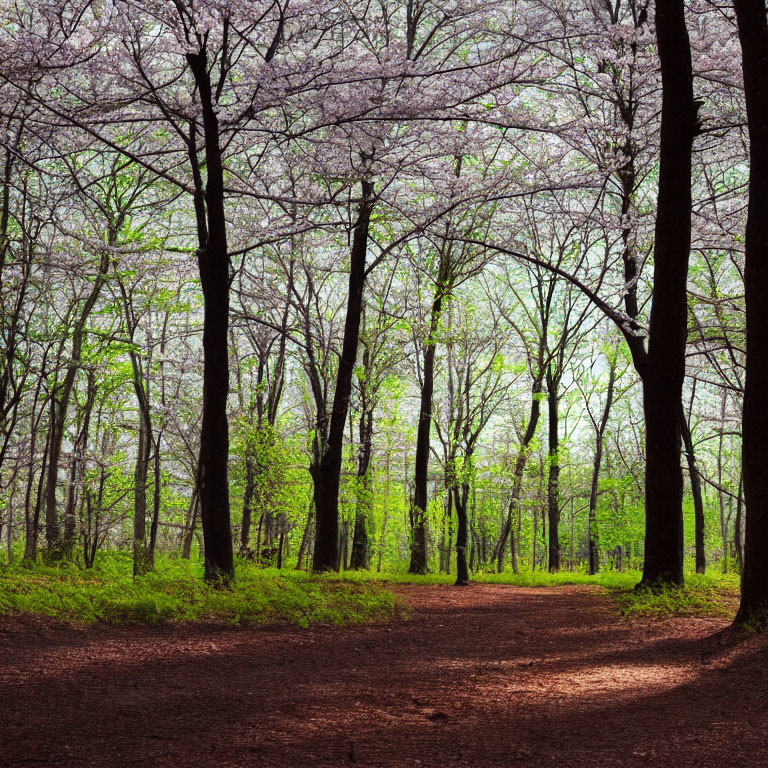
(753, 34)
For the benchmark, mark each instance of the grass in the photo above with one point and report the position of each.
(711, 594)
(176, 593)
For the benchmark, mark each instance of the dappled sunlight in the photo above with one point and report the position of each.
(553, 676)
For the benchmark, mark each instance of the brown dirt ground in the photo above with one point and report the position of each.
(481, 676)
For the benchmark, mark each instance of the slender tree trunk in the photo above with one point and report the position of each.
(364, 501)
(156, 498)
(306, 537)
(664, 369)
(418, 562)
(245, 527)
(59, 405)
(698, 500)
(517, 478)
(141, 564)
(326, 474)
(720, 495)
(189, 528)
(31, 521)
(77, 471)
(460, 500)
(738, 532)
(280, 543)
(385, 518)
(553, 478)
(30, 546)
(593, 533)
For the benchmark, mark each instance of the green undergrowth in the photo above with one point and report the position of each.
(175, 592)
(708, 594)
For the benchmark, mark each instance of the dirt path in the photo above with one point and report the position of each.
(482, 676)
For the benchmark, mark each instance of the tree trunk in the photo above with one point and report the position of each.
(753, 33)
(77, 470)
(245, 527)
(592, 530)
(214, 267)
(698, 501)
(418, 562)
(307, 535)
(189, 528)
(517, 478)
(326, 473)
(155, 502)
(385, 518)
(59, 405)
(141, 563)
(460, 498)
(738, 532)
(664, 368)
(553, 478)
(363, 505)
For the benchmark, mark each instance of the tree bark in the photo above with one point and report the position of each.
(593, 533)
(418, 562)
(213, 264)
(460, 500)
(141, 562)
(753, 33)
(360, 548)
(77, 470)
(698, 501)
(553, 478)
(245, 527)
(326, 473)
(664, 368)
(517, 475)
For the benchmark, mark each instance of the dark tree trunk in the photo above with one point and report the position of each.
(245, 527)
(664, 368)
(141, 563)
(33, 528)
(191, 525)
(753, 33)
(698, 501)
(155, 501)
(418, 562)
(326, 473)
(213, 264)
(360, 548)
(460, 497)
(592, 530)
(517, 477)
(738, 534)
(553, 478)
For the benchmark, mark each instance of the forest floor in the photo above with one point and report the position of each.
(487, 675)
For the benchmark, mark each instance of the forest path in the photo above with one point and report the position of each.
(486, 675)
